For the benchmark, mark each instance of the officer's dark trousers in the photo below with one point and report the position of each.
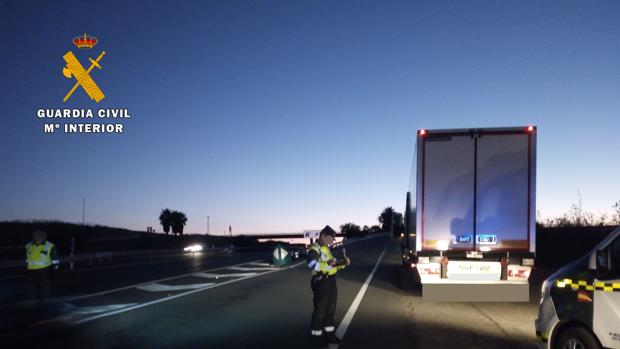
(324, 300)
(40, 283)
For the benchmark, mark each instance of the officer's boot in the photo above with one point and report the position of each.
(319, 340)
(332, 338)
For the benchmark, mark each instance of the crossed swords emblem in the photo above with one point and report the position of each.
(75, 69)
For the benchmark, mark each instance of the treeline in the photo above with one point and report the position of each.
(576, 217)
(390, 221)
(351, 230)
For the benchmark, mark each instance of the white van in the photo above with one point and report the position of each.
(580, 303)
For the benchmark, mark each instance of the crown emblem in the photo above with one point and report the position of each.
(85, 41)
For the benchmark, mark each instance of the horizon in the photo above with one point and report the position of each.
(94, 225)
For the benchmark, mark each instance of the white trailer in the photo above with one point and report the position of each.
(471, 233)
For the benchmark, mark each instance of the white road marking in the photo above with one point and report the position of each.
(217, 276)
(100, 308)
(348, 317)
(183, 294)
(261, 264)
(145, 283)
(252, 268)
(157, 287)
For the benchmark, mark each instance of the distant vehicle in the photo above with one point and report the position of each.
(194, 248)
(470, 211)
(580, 303)
(299, 251)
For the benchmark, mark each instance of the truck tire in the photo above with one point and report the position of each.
(576, 338)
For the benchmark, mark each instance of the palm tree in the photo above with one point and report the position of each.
(165, 220)
(385, 218)
(178, 220)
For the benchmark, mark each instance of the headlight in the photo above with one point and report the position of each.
(193, 248)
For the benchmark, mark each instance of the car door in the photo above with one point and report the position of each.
(606, 317)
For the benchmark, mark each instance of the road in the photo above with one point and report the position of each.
(101, 274)
(252, 304)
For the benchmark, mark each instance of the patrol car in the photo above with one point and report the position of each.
(580, 303)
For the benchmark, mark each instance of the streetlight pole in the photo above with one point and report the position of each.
(208, 218)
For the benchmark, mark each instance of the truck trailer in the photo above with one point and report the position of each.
(470, 217)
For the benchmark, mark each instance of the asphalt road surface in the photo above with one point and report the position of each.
(240, 301)
(104, 274)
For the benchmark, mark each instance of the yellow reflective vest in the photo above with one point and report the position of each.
(320, 260)
(39, 256)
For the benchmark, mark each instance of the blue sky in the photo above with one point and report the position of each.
(279, 116)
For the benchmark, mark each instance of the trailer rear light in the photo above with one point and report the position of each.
(517, 272)
(422, 132)
(433, 269)
(443, 245)
(530, 129)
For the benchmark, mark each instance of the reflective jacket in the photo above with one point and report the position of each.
(320, 260)
(40, 256)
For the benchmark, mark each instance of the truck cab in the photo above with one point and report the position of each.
(580, 303)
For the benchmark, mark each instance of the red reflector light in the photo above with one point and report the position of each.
(422, 132)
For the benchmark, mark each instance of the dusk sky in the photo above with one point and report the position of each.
(279, 116)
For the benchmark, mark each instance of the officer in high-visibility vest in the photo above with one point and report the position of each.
(41, 257)
(324, 268)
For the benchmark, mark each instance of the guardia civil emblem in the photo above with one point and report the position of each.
(74, 69)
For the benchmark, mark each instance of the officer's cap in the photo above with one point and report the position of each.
(328, 231)
(39, 234)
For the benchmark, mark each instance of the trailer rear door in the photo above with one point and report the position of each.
(502, 189)
(448, 192)
(475, 190)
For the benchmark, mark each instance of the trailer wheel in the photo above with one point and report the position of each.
(576, 338)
